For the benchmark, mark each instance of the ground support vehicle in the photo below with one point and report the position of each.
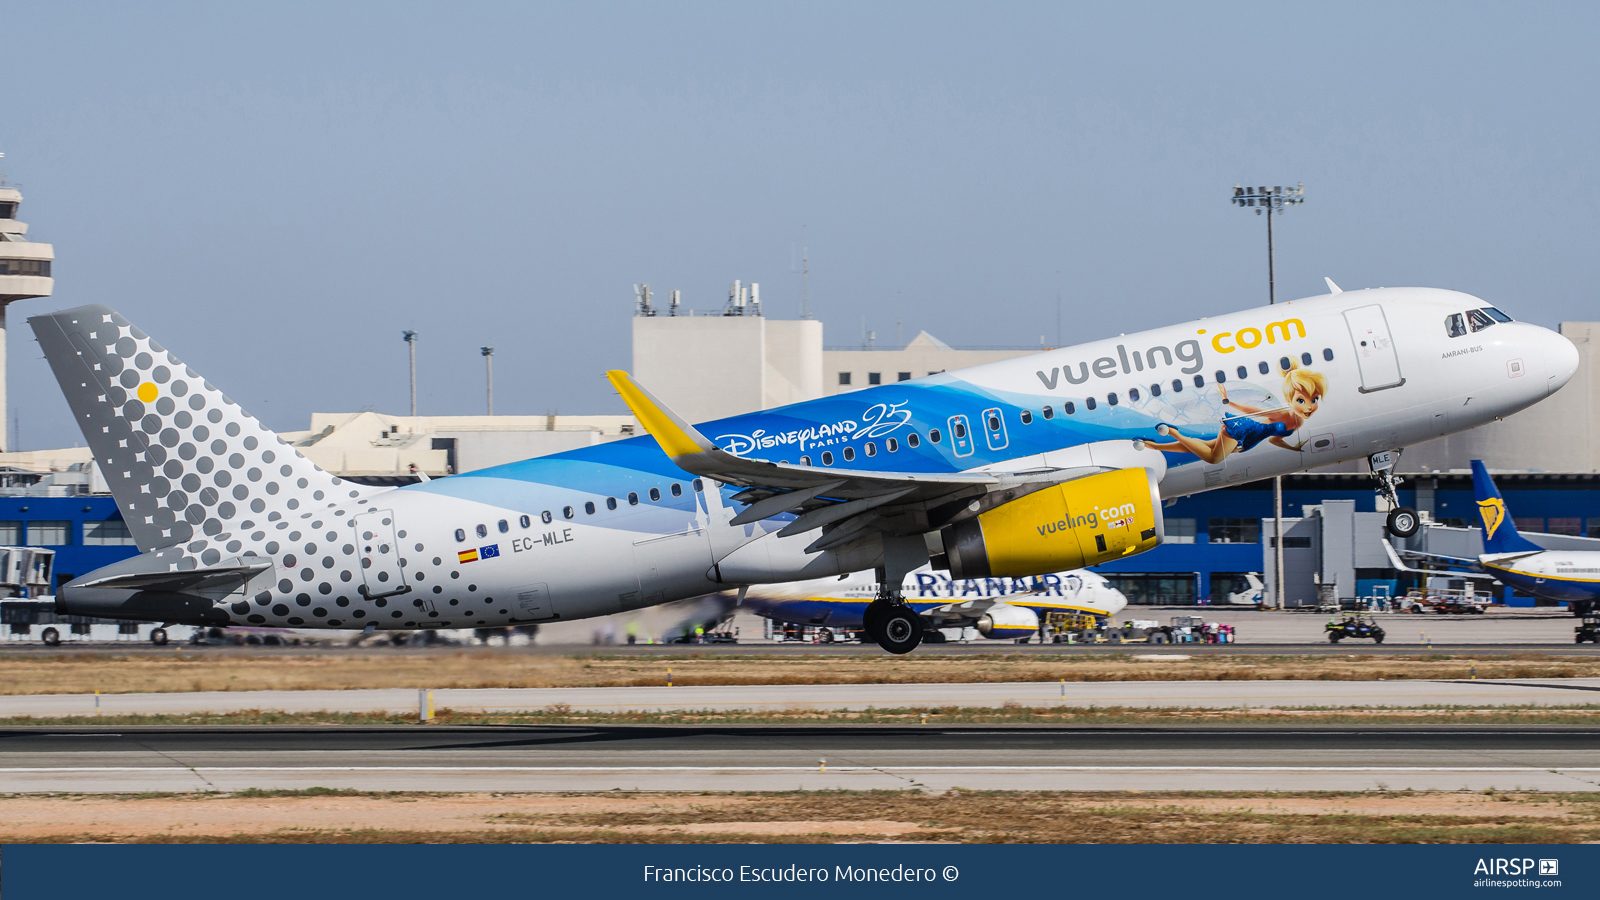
(1355, 627)
(1589, 630)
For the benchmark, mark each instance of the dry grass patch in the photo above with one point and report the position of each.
(201, 670)
(803, 817)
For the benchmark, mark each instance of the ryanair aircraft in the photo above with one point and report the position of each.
(999, 608)
(1563, 575)
(1028, 466)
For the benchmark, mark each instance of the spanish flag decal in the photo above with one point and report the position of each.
(1493, 511)
(466, 556)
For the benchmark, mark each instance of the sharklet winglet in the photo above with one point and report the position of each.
(676, 437)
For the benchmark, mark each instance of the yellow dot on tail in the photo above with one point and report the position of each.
(147, 392)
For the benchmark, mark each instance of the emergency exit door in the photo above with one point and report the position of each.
(1375, 352)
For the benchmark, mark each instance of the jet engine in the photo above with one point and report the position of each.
(1078, 523)
(1006, 622)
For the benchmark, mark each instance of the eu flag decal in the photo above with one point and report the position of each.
(489, 552)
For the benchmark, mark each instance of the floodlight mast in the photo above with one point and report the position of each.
(488, 364)
(1277, 200)
(410, 338)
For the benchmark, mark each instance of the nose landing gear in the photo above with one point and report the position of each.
(1403, 521)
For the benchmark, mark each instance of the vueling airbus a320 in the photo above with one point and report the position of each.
(1028, 466)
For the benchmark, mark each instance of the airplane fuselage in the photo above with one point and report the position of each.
(619, 526)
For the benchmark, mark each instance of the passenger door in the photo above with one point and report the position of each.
(1375, 351)
(379, 552)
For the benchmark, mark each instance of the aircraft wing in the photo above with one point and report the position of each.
(846, 503)
(1399, 564)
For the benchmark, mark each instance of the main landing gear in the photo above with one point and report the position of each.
(888, 620)
(1403, 521)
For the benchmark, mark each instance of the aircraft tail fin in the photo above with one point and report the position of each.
(181, 458)
(1499, 532)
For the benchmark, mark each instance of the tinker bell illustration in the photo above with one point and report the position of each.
(1251, 425)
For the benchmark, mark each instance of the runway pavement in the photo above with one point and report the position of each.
(1144, 694)
(788, 758)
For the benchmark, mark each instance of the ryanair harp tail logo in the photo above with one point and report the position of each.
(1493, 511)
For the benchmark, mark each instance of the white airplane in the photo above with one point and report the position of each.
(1000, 608)
(1572, 576)
(1039, 464)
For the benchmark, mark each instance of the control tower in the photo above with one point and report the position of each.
(24, 273)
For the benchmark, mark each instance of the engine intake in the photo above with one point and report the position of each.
(1078, 523)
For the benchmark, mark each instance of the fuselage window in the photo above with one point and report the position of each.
(1243, 373)
(483, 531)
(1133, 394)
(1496, 314)
(913, 440)
(1155, 390)
(1111, 397)
(527, 521)
(633, 498)
(994, 423)
(547, 518)
(504, 526)
(611, 503)
(1199, 381)
(1026, 416)
(933, 435)
(1478, 320)
(1069, 407)
(1285, 364)
(1222, 377)
(1327, 353)
(698, 487)
(1454, 325)
(1264, 368)
(849, 454)
(677, 489)
(960, 430)
(567, 512)
(891, 445)
(827, 457)
(588, 507)
(1177, 386)
(1088, 403)
(655, 495)
(1049, 412)
(871, 448)
(1305, 359)
(461, 536)
(805, 460)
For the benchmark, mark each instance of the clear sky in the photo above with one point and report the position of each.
(275, 190)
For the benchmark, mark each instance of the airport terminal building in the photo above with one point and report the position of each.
(1546, 461)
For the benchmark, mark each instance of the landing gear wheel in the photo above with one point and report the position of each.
(1403, 521)
(900, 630)
(51, 637)
(1333, 637)
(159, 637)
(872, 619)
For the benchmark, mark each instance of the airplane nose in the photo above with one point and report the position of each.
(1561, 361)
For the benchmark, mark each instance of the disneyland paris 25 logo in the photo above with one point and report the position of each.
(879, 420)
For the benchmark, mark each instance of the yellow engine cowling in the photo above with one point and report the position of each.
(1078, 523)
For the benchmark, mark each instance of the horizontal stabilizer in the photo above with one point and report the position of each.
(178, 582)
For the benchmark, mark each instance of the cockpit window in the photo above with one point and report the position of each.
(1454, 325)
(1478, 319)
(1495, 314)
